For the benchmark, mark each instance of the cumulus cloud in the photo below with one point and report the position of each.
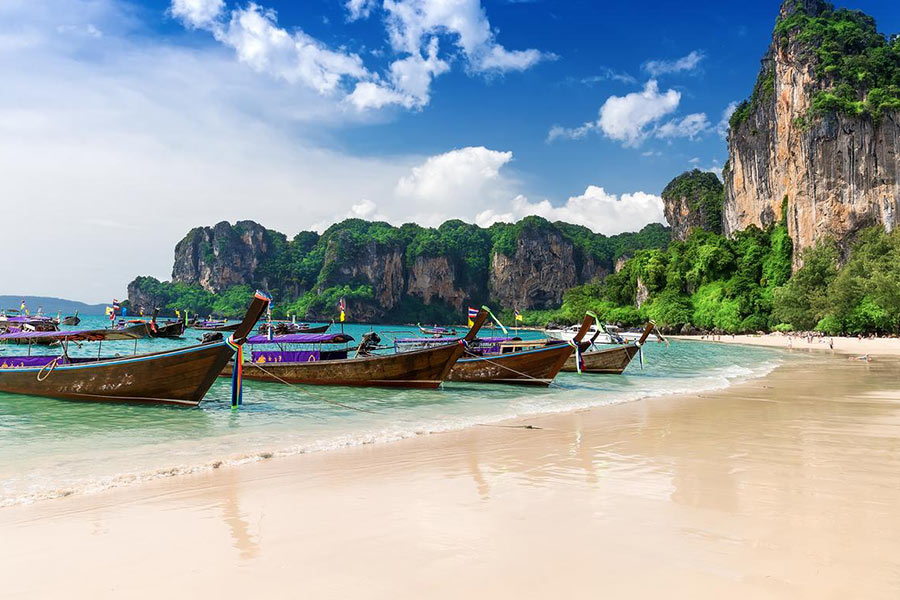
(359, 9)
(411, 23)
(662, 67)
(596, 209)
(689, 127)
(197, 14)
(455, 185)
(259, 42)
(414, 28)
(627, 119)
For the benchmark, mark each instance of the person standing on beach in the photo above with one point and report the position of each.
(831, 344)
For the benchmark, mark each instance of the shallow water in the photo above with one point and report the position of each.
(50, 448)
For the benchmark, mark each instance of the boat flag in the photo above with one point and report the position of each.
(473, 312)
(518, 315)
(22, 308)
(343, 308)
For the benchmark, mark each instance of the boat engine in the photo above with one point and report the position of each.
(370, 341)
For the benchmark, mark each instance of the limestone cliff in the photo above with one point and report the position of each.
(796, 142)
(386, 273)
(434, 278)
(693, 199)
(537, 274)
(218, 257)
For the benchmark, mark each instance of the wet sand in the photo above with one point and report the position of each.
(783, 487)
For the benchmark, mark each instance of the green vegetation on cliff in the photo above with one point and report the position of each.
(308, 274)
(858, 67)
(707, 281)
(705, 194)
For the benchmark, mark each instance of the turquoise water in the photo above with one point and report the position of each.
(51, 448)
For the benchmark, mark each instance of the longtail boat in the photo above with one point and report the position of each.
(216, 326)
(155, 329)
(49, 338)
(16, 322)
(71, 321)
(511, 360)
(611, 360)
(518, 362)
(286, 327)
(181, 376)
(425, 368)
(436, 331)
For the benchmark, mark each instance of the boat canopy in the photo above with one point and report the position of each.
(302, 338)
(450, 340)
(87, 335)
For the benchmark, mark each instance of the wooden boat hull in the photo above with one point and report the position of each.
(528, 367)
(180, 377)
(70, 321)
(232, 327)
(609, 360)
(417, 369)
(168, 330)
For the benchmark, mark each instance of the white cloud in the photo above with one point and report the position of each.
(414, 28)
(607, 74)
(359, 9)
(454, 184)
(412, 23)
(722, 126)
(689, 127)
(259, 42)
(686, 63)
(632, 118)
(596, 209)
(197, 14)
(626, 118)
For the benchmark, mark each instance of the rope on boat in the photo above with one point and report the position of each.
(293, 385)
(578, 359)
(496, 364)
(52, 365)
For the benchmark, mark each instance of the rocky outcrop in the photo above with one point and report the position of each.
(219, 257)
(833, 174)
(387, 273)
(642, 293)
(434, 278)
(537, 274)
(373, 264)
(691, 200)
(141, 300)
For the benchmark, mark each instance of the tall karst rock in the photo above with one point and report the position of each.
(691, 200)
(820, 135)
(221, 256)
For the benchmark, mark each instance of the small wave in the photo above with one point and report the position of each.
(568, 399)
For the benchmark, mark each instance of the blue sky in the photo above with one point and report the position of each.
(132, 122)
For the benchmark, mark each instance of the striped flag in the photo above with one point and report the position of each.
(518, 315)
(473, 312)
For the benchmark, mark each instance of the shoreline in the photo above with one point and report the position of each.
(850, 346)
(718, 491)
(250, 457)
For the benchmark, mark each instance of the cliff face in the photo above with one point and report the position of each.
(434, 278)
(837, 173)
(693, 199)
(387, 273)
(537, 274)
(219, 257)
